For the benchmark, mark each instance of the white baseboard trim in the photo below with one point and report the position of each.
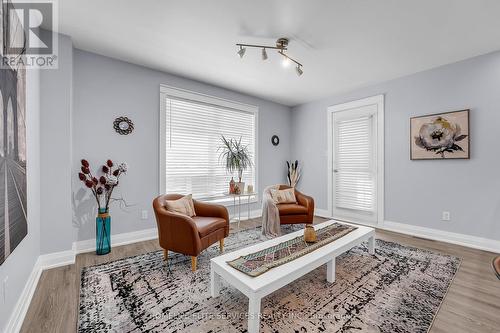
(21, 308)
(117, 240)
(56, 259)
(322, 213)
(474, 242)
(43, 262)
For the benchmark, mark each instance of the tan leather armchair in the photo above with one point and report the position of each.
(301, 212)
(190, 235)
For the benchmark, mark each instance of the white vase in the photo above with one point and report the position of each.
(241, 186)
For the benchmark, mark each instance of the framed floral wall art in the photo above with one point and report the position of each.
(440, 136)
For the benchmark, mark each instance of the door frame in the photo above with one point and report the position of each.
(377, 100)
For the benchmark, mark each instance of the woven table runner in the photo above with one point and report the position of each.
(254, 264)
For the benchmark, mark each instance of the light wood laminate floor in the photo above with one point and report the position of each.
(472, 304)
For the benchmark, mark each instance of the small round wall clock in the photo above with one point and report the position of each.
(275, 140)
(123, 125)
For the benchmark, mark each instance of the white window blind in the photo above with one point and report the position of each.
(192, 140)
(354, 164)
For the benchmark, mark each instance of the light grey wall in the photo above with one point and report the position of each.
(19, 264)
(416, 192)
(106, 88)
(57, 233)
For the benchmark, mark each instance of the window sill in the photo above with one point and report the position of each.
(230, 202)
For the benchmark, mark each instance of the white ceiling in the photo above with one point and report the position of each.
(343, 44)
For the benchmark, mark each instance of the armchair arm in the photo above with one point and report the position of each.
(212, 210)
(176, 232)
(306, 201)
(208, 209)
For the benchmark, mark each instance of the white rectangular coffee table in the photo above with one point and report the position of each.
(255, 288)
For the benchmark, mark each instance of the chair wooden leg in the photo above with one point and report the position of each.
(165, 254)
(221, 245)
(193, 263)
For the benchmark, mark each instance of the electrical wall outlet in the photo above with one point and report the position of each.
(144, 215)
(446, 216)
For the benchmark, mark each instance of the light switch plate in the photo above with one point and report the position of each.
(144, 215)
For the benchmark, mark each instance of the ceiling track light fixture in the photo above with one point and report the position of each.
(242, 51)
(281, 46)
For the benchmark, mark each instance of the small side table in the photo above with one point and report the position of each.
(243, 195)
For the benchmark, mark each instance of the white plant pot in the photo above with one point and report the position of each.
(241, 186)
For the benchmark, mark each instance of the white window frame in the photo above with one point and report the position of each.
(377, 100)
(168, 91)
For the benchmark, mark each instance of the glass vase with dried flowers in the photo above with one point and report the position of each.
(102, 189)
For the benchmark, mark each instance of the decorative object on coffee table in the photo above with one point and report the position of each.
(236, 158)
(259, 262)
(102, 189)
(440, 136)
(293, 175)
(123, 125)
(309, 234)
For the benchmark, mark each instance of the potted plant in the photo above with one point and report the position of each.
(236, 157)
(102, 189)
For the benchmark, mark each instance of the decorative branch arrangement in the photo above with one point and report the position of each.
(102, 188)
(293, 174)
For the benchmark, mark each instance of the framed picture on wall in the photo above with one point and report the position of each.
(2, 19)
(13, 214)
(440, 136)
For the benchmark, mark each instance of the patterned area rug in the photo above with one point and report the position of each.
(399, 289)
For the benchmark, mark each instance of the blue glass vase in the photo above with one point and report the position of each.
(102, 232)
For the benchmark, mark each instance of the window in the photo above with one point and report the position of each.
(354, 163)
(190, 134)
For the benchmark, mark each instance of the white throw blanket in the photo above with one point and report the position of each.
(270, 215)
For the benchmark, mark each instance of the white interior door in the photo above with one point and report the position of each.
(355, 192)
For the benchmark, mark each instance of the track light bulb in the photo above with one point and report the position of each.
(242, 51)
(299, 70)
(286, 61)
(264, 54)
